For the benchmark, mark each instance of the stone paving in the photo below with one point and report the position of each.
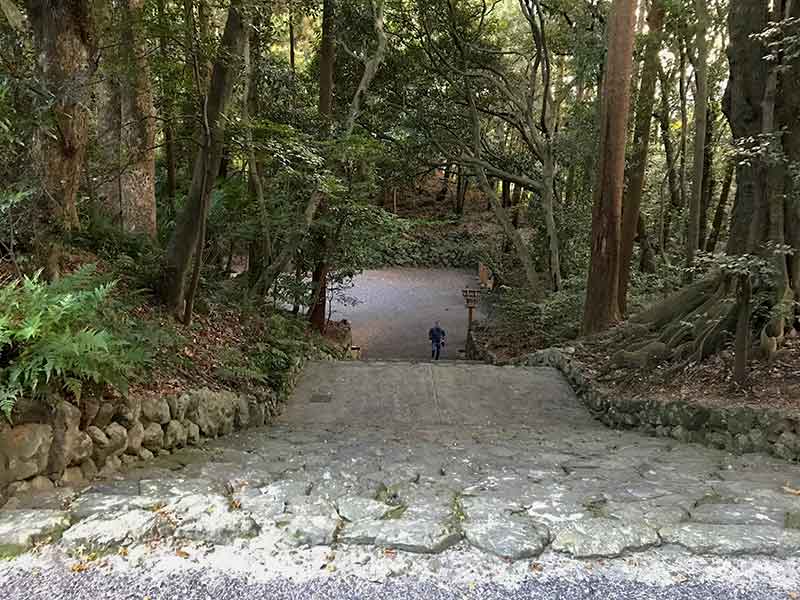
(377, 468)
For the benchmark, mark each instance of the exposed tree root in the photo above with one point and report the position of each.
(686, 327)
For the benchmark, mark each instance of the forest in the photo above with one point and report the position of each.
(634, 164)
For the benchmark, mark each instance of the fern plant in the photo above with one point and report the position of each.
(52, 339)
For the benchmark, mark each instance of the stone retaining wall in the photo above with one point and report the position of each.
(73, 443)
(736, 429)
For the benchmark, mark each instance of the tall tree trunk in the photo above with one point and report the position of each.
(602, 304)
(445, 189)
(64, 33)
(168, 111)
(647, 260)
(684, 139)
(641, 146)
(719, 214)
(319, 277)
(743, 108)
(508, 206)
(191, 104)
(708, 178)
(262, 245)
(291, 42)
(327, 56)
(700, 124)
(461, 189)
(371, 67)
(204, 29)
(673, 183)
(167, 102)
(516, 199)
(762, 103)
(184, 241)
(641, 14)
(505, 194)
(548, 201)
(128, 125)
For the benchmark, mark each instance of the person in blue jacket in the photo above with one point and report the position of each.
(436, 336)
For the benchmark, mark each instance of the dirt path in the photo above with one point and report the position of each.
(398, 306)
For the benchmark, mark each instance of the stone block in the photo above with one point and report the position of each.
(175, 435)
(112, 465)
(70, 445)
(108, 443)
(214, 412)
(130, 411)
(179, 406)
(89, 469)
(104, 415)
(72, 477)
(135, 438)
(155, 410)
(24, 451)
(192, 433)
(242, 416)
(153, 437)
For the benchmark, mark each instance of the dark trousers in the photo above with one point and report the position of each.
(436, 348)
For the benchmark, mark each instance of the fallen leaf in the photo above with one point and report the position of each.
(791, 490)
(123, 551)
(181, 553)
(79, 567)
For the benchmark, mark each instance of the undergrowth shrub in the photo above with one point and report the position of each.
(550, 320)
(425, 243)
(286, 341)
(53, 339)
(134, 258)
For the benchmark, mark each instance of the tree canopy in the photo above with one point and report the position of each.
(267, 141)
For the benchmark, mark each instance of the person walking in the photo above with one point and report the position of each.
(437, 336)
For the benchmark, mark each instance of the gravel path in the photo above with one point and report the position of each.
(398, 306)
(55, 585)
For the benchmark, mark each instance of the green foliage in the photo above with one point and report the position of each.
(135, 258)
(50, 340)
(421, 243)
(285, 343)
(549, 321)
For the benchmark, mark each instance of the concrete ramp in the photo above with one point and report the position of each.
(408, 394)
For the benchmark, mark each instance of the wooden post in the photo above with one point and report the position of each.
(471, 300)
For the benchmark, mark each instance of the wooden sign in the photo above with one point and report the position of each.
(471, 297)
